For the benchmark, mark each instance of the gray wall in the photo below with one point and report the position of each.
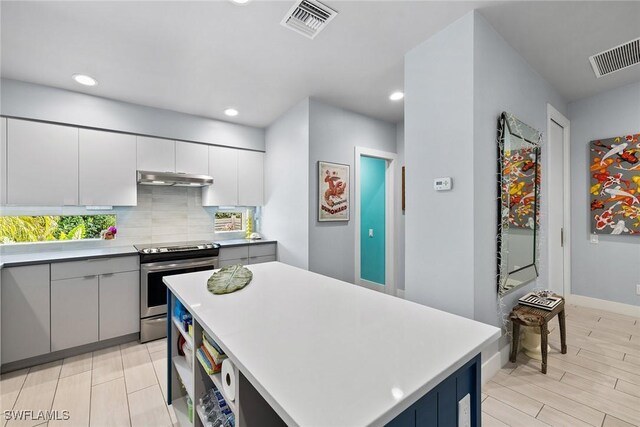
(400, 222)
(609, 270)
(451, 112)
(286, 211)
(31, 101)
(503, 81)
(333, 135)
(438, 143)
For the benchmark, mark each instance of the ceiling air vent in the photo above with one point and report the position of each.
(308, 17)
(616, 59)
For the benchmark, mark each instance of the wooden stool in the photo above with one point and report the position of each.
(537, 317)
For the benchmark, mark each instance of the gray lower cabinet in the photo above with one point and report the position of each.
(225, 262)
(249, 254)
(74, 312)
(51, 307)
(25, 312)
(94, 300)
(260, 259)
(119, 304)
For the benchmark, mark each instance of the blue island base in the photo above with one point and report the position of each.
(439, 407)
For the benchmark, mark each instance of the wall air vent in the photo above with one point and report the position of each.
(308, 17)
(616, 59)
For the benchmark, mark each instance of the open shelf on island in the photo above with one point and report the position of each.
(185, 374)
(184, 333)
(200, 413)
(181, 411)
(217, 381)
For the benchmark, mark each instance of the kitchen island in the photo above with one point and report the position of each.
(322, 352)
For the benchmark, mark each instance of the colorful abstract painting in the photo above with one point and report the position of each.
(615, 185)
(519, 183)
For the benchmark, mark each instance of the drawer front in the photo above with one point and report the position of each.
(262, 250)
(226, 262)
(93, 267)
(260, 259)
(234, 252)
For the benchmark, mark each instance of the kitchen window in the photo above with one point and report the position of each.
(229, 221)
(48, 228)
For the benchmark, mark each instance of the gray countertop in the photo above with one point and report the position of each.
(28, 258)
(14, 260)
(243, 242)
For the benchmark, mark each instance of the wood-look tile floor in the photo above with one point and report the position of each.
(119, 386)
(597, 383)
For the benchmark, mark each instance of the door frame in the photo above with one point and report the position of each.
(389, 234)
(557, 117)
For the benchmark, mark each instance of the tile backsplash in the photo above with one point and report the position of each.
(163, 214)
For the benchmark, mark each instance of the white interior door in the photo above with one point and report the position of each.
(558, 183)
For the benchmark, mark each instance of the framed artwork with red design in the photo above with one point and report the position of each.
(615, 185)
(333, 192)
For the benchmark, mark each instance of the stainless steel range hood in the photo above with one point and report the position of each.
(174, 179)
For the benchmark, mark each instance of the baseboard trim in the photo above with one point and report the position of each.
(493, 365)
(614, 307)
(69, 352)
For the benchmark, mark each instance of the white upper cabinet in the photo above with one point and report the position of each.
(107, 168)
(250, 178)
(192, 158)
(42, 164)
(223, 167)
(156, 154)
(238, 178)
(3, 161)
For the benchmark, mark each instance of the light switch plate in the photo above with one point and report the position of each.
(464, 411)
(442, 184)
(594, 239)
(637, 289)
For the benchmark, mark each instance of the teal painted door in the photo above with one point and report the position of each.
(372, 219)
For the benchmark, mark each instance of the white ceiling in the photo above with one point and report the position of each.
(202, 57)
(557, 38)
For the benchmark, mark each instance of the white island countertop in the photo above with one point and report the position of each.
(325, 352)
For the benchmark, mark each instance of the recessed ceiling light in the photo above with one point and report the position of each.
(396, 96)
(240, 1)
(83, 79)
(231, 112)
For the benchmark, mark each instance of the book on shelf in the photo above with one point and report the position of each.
(204, 361)
(207, 362)
(545, 303)
(213, 349)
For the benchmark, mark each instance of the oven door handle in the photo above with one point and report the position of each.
(179, 266)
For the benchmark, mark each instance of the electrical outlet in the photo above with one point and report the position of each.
(594, 239)
(637, 289)
(464, 411)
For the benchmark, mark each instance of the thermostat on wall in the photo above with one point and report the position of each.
(442, 184)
